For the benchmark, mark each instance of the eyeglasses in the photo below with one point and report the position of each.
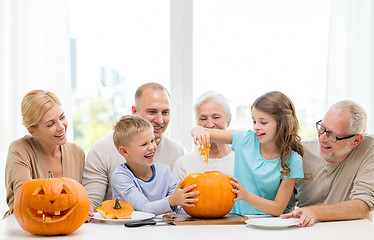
(329, 134)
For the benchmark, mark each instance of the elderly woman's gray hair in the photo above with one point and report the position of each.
(358, 115)
(214, 97)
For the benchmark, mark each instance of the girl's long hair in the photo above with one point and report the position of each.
(282, 109)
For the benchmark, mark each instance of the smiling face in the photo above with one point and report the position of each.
(52, 127)
(51, 202)
(154, 106)
(212, 115)
(140, 150)
(51, 206)
(339, 125)
(265, 126)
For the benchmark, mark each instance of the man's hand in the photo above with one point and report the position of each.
(90, 212)
(305, 214)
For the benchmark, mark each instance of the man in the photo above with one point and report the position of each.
(152, 103)
(212, 111)
(338, 168)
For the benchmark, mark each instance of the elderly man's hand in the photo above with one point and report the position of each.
(305, 214)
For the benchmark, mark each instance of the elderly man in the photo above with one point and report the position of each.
(338, 167)
(152, 103)
(212, 111)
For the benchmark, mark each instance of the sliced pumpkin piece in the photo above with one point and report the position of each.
(114, 209)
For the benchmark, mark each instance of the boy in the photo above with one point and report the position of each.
(147, 186)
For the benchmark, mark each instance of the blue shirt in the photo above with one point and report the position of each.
(256, 174)
(150, 196)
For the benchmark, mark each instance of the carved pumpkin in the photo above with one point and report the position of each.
(51, 206)
(112, 209)
(215, 198)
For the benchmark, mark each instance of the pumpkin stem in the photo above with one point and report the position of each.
(116, 204)
(50, 174)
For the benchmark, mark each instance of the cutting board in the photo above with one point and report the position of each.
(185, 219)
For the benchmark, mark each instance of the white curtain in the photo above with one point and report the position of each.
(351, 54)
(34, 54)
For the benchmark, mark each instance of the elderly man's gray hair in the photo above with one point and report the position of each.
(358, 114)
(214, 97)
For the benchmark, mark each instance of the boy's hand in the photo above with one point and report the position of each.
(182, 196)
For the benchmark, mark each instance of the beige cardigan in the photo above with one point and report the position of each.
(25, 162)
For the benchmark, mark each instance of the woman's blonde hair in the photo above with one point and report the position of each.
(127, 127)
(35, 104)
(282, 109)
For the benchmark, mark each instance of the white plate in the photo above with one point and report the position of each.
(273, 222)
(135, 216)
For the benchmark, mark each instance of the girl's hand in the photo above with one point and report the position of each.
(200, 136)
(239, 190)
(181, 197)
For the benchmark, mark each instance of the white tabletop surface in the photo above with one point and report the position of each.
(356, 230)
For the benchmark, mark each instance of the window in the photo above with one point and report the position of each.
(240, 48)
(116, 45)
(245, 48)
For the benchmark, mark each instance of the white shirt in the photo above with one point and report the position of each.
(192, 162)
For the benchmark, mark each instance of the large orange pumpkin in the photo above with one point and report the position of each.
(215, 198)
(51, 206)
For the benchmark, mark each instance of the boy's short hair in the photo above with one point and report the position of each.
(127, 127)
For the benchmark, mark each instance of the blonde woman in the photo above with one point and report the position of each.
(45, 149)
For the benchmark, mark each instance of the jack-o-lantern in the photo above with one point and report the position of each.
(51, 206)
(216, 198)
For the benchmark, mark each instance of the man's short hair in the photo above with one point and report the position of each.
(358, 120)
(127, 127)
(152, 85)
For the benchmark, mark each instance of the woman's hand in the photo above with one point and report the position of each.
(182, 196)
(200, 136)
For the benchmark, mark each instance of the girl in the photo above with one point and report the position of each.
(268, 160)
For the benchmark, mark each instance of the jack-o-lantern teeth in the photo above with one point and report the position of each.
(41, 215)
(57, 213)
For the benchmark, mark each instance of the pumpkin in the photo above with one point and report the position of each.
(114, 209)
(216, 198)
(51, 206)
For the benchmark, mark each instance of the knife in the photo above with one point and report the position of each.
(151, 222)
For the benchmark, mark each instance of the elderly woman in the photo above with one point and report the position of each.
(45, 149)
(212, 111)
